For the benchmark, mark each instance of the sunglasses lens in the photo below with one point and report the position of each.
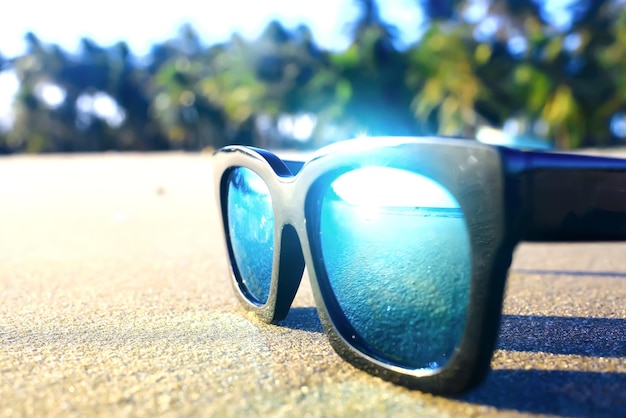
(397, 255)
(251, 229)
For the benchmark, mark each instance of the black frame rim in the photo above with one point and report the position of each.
(293, 201)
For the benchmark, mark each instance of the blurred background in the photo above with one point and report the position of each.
(189, 75)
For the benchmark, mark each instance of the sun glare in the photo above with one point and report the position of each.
(376, 187)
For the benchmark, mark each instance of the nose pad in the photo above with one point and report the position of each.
(291, 268)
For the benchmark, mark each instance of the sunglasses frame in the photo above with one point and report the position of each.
(472, 172)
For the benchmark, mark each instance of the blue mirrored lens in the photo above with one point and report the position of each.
(397, 254)
(251, 229)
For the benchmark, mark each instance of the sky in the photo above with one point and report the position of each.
(143, 23)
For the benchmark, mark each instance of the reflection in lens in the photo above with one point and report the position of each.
(397, 254)
(251, 229)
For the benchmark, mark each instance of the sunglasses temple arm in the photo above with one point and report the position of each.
(565, 197)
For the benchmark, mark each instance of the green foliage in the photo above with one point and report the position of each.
(446, 79)
(561, 82)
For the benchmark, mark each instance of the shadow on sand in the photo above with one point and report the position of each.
(553, 392)
(558, 392)
(303, 319)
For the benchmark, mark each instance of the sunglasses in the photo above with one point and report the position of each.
(407, 241)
